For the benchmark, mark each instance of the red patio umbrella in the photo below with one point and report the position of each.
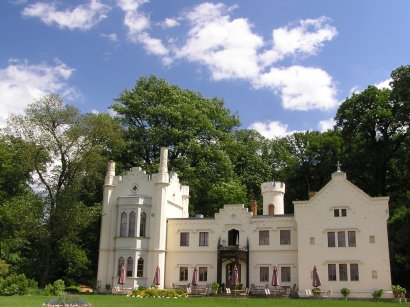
(195, 277)
(275, 281)
(235, 276)
(316, 279)
(156, 276)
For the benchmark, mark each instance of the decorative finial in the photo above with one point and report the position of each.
(338, 165)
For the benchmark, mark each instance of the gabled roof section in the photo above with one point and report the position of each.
(339, 181)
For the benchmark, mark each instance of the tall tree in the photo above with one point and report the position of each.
(63, 144)
(195, 129)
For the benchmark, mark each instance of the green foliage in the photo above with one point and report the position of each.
(16, 284)
(316, 291)
(377, 294)
(345, 292)
(215, 286)
(196, 130)
(153, 292)
(398, 291)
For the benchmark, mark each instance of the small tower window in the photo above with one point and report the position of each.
(143, 222)
(271, 209)
(123, 229)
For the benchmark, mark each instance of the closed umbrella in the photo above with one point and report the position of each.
(156, 276)
(195, 277)
(275, 281)
(235, 276)
(316, 279)
(121, 277)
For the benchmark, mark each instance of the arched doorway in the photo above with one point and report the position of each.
(233, 237)
(228, 274)
(271, 209)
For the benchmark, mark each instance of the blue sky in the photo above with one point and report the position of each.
(281, 65)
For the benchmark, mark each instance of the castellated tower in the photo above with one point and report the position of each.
(273, 198)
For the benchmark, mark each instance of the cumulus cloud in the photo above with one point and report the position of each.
(384, 84)
(271, 129)
(301, 88)
(306, 37)
(325, 125)
(169, 23)
(22, 82)
(82, 17)
(228, 48)
(138, 24)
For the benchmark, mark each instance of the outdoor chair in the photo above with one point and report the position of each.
(267, 292)
(246, 293)
(228, 291)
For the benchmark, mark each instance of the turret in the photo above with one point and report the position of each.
(273, 198)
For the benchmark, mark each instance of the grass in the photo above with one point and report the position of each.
(115, 301)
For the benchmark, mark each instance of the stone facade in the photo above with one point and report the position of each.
(340, 230)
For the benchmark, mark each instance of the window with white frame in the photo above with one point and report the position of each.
(342, 271)
(203, 239)
(131, 226)
(143, 224)
(130, 266)
(183, 273)
(341, 238)
(263, 237)
(140, 267)
(284, 236)
(354, 272)
(345, 270)
(331, 272)
(340, 212)
(264, 274)
(184, 239)
(285, 274)
(123, 225)
(203, 273)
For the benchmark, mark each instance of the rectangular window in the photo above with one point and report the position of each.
(336, 212)
(354, 272)
(203, 274)
(264, 274)
(331, 272)
(343, 272)
(344, 212)
(184, 239)
(374, 274)
(264, 237)
(372, 239)
(351, 237)
(285, 274)
(285, 237)
(341, 239)
(312, 240)
(183, 273)
(203, 239)
(331, 240)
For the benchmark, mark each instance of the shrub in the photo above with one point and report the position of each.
(157, 293)
(398, 291)
(215, 287)
(345, 292)
(377, 294)
(72, 289)
(14, 284)
(58, 287)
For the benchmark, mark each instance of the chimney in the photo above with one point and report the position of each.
(254, 207)
(311, 194)
(163, 163)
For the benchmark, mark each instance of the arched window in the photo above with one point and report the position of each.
(233, 237)
(271, 209)
(131, 229)
(140, 267)
(130, 266)
(120, 263)
(143, 223)
(123, 230)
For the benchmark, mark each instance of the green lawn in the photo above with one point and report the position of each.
(120, 301)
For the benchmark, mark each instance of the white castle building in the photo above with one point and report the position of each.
(340, 230)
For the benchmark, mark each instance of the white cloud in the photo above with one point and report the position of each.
(325, 125)
(307, 37)
(301, 88)
(228, 48)
(135, 21)
(271, 129)
(82, 17)
(22, 82)
(384, 84)
(112, 37)
(169, 23)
